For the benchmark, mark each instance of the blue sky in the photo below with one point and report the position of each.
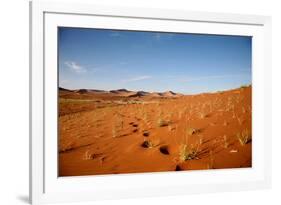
(152, 61)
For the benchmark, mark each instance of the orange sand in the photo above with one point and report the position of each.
(112, 133)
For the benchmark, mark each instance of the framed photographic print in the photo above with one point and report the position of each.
(130, 102)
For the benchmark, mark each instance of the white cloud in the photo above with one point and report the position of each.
(75, 67)
(143, 77)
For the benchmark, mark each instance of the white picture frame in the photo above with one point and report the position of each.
(46, 186)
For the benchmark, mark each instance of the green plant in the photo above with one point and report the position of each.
(200, 142)
(88, 155)
(201, 115)
(188, 152)
(162, 123)
(226, 144)
(149, 144)
(243, 86)
(243, 137)
(191, 131)
(239, 120)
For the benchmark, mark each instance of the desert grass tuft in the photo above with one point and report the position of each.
(163, 123)
(225, 141)
(243, 137)
(191, 131)
(149, 144)
(88, 155)
(202, 115)
(243, 86)
(188, 152)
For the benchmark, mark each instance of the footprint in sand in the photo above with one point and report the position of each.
(145, 133)
(164, 150)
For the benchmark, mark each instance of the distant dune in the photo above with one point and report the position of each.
(169, 94)
(125, 93)
(82, 91)
(66, 90)
(140, 94)
(120, 91)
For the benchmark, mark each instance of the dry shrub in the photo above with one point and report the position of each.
(243, 137)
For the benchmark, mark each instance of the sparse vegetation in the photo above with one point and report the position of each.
(163, 123)
(243, 137)
(225, 141)
(202, 115)
(188, 152)
(191, 131)
(239, 120)
(88, 155)
(244, 86)
(200, 140)
(148, 144)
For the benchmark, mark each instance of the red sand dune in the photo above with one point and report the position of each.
(121, 131)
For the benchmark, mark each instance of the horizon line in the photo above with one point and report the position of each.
(233, 88)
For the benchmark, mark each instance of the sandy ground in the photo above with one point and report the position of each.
(111, 133)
